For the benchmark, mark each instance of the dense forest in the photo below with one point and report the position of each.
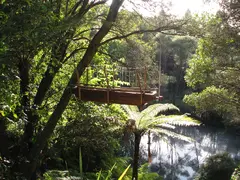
(49, 47)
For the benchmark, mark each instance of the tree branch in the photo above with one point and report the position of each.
(61, 106)
(159, 29)
(112, 57)
(73, 10)
(72, 54)
(81, 38)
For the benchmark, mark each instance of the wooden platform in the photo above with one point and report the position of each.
(130, 96)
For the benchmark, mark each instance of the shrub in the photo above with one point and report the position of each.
(236, 174)
(217, 167)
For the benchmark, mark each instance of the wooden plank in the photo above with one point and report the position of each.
(127, 89)
(117, 96)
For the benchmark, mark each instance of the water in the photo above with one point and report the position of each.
(179, 160)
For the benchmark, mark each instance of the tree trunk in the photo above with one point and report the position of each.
(33, 118)
(42, 137)
(4, 151)
(137, 136)
(59, 51)
(58, 54)
(23, 68)
(149, 147)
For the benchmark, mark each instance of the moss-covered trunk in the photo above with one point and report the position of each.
(136, 155)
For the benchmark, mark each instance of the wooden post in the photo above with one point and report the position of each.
(121, 74)
(139, 84)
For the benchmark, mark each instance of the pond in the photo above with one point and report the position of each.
(175, 159)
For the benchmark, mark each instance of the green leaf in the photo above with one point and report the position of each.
(124, 172)
(99, 175)
(2, 113)
(156, 109)
(179, 120)
(15, 115)
(132, 111)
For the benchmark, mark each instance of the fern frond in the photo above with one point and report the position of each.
(172, 134)
(165, 125)
(156, 109)
(179, 120)
(134, 108)
(148, 123)
(132, 111)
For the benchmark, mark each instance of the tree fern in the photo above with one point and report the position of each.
(148, 119)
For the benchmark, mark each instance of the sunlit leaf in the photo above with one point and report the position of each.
(172, 134)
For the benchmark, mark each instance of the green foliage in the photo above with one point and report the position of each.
(173, 53)
(54, 174)
(121, 169)
(41, 43)
(4, 168)
(236, 174)
(101, 175)
(124, 172)
(151, 116)
(148, 119)
(144, 173)
(108, 175)
(201, 66)
(212, 99)
(219, 166)
(94, 128)
(213, 69)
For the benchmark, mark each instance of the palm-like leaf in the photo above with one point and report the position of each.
(155, 109)
(179, 120)
(172, 134)
(132, 111)
(165, 125)
(148, 117)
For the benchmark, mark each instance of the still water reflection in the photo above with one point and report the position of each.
(179, 160)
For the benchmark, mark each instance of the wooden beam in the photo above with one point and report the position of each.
(117, 96)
